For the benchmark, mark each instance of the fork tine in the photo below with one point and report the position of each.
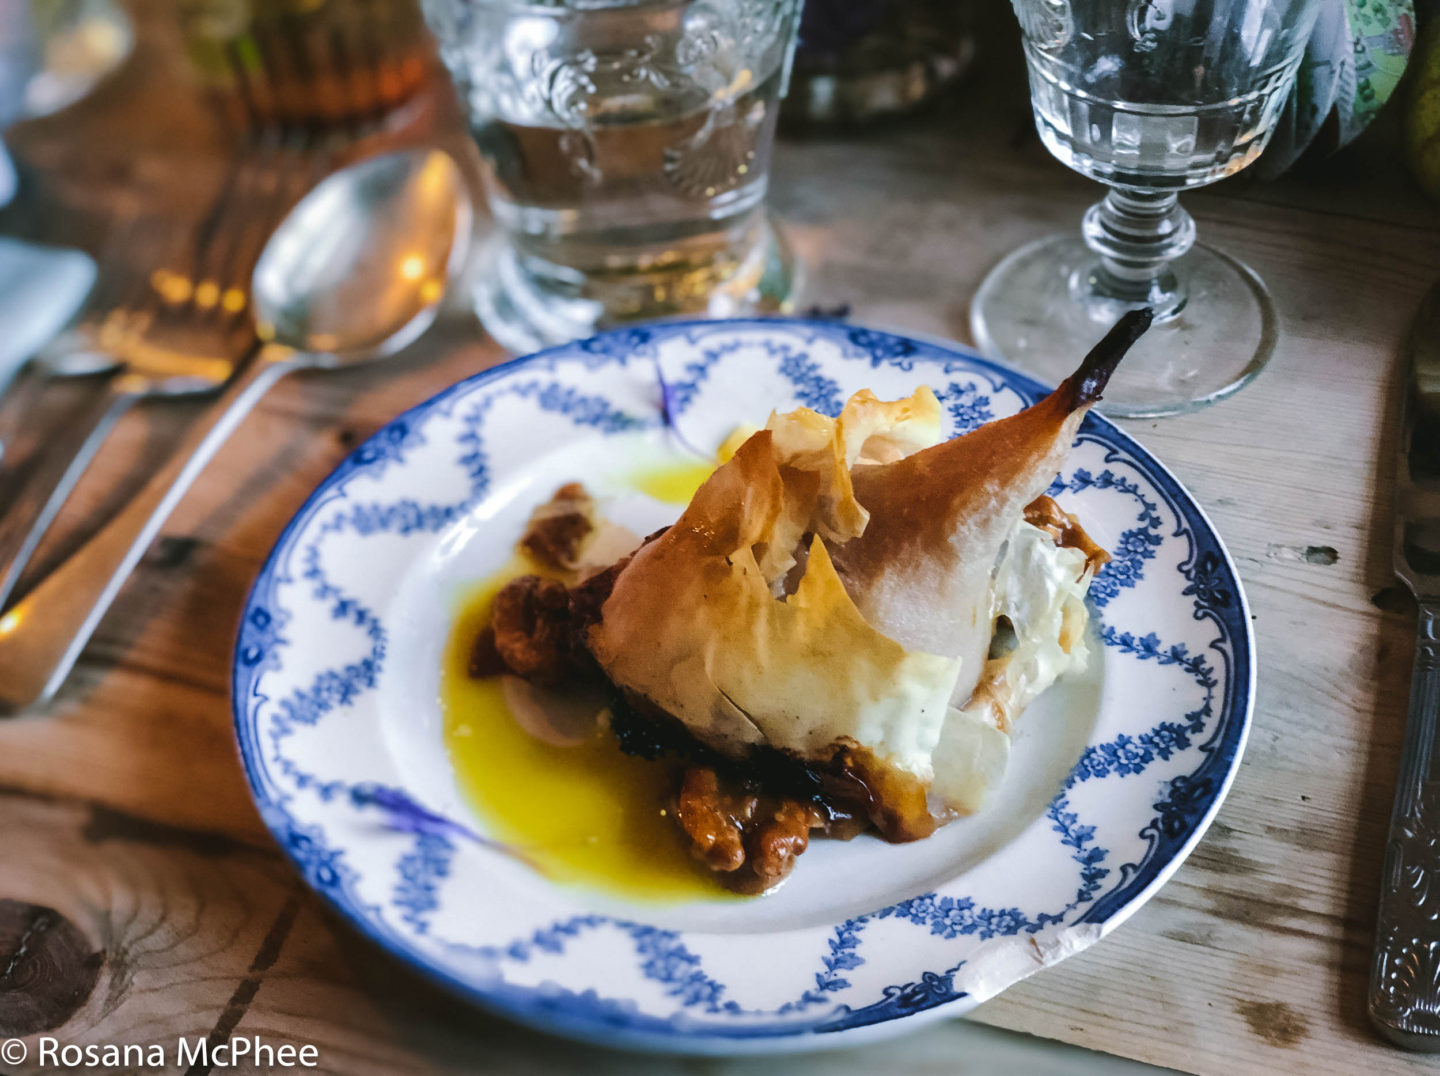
(218, 239)
(132, 293)
(288, 32)
(209, 228)
(155, 285)
(255, 91)
(386, 76)
(256, 221)
(357, 56)
(115, 251)
(328, 94)
(274, 70)
(126, 249)
(382, 23)
(268, 180)
(215, 271)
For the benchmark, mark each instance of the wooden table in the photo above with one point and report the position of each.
(123, 807)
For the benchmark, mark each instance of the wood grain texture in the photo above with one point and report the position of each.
(47, 968)
(123, 807)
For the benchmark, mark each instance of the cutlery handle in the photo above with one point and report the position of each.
(43, 633)
(60, 463)
(1405, 973)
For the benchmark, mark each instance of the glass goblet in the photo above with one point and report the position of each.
(1150, 97)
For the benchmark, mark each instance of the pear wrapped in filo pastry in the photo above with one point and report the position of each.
(866, 599)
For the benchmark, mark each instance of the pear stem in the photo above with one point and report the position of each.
(1088, 382)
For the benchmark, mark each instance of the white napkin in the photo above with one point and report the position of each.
(41, 288)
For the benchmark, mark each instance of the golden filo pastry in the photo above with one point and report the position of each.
(857, 587)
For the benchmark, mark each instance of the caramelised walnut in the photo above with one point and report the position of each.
(537, 627)
(749, 838)
(894, 802)
(559, 528)
(531, 625)
(485, 660)
(714, 818)
(778, 840)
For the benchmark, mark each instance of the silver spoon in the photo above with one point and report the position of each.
(354, 273)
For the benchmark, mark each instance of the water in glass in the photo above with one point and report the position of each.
(627, 146)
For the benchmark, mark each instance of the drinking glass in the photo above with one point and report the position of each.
(1150, 97)
(627, 145)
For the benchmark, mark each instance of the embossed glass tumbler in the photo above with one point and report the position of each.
(627, 151)
(1150, 97)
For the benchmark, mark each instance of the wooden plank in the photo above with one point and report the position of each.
(171, 916)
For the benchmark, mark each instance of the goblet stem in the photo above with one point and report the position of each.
(1136, 235)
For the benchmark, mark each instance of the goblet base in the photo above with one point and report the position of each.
(1038, 310)
(525, 310)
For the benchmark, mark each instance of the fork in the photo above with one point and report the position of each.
(177, 331)
(190, 330)
(187, 331)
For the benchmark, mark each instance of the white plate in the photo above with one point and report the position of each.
(1114, 775)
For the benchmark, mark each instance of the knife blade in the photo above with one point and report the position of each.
(1404, 1001)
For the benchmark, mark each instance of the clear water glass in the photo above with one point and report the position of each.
(1150, 97)
(627, 145)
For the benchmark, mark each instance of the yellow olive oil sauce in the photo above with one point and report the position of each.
(586, 815)
(672, 483)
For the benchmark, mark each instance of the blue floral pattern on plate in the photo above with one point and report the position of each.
(316, 657)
